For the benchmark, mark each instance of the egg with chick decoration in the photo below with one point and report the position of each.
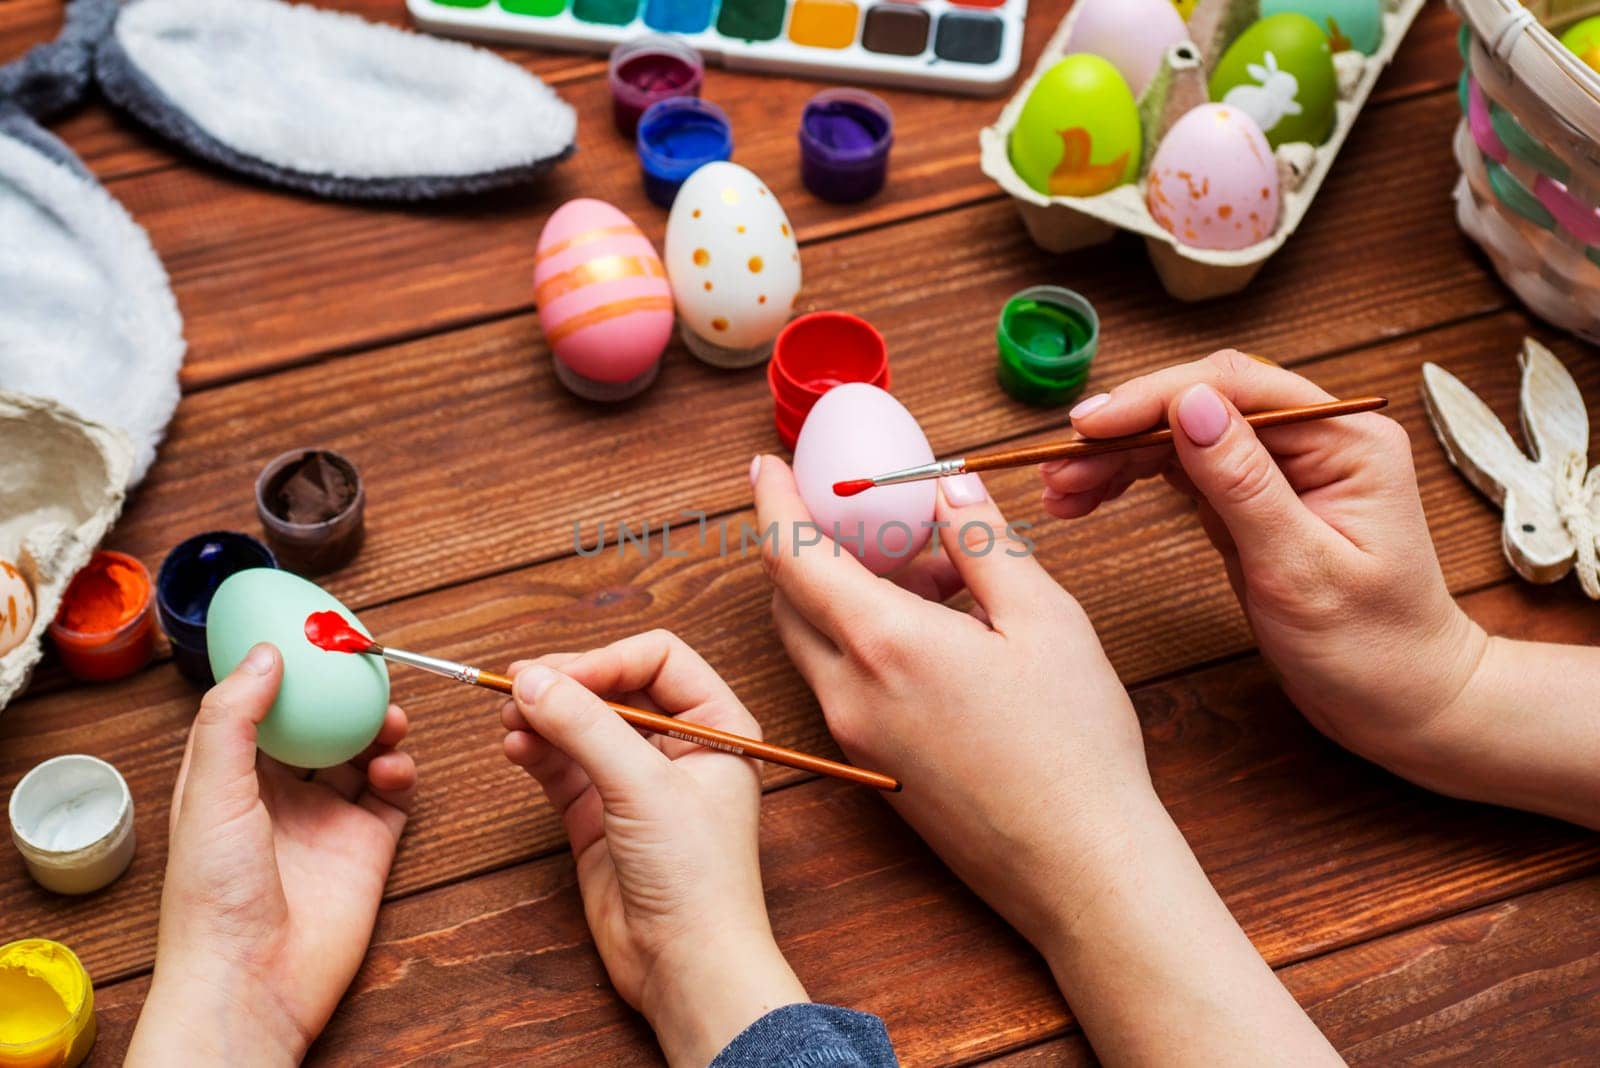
(1078, 134)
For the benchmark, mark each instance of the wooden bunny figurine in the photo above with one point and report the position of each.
(1552, 501)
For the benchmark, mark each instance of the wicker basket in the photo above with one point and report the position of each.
(1529, 148)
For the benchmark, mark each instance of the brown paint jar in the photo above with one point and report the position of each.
(312, 507)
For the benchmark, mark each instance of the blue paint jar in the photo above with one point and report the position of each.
(188, 578)
(677, 137)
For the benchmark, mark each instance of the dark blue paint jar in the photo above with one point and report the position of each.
(677, 137)
(188, 579)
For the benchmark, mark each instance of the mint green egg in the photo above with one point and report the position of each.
(1078, 133)
(1356, 24)
(1280, 73)
(331, 705)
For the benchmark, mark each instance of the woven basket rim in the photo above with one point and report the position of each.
(1513, 36)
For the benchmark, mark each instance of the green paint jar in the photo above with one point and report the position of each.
(1047, 337)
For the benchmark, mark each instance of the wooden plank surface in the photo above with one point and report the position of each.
(405, 336)
(1402, 999)
(867, 915)
(1155, 590)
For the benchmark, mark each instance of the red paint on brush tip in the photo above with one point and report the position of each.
(851, 487)
(330, 631)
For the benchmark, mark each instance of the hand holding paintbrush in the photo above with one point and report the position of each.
(330, 631)
(1081, 447)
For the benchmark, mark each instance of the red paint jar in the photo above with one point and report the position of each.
(813, 354)
(126, 643)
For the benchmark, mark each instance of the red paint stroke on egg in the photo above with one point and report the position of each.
(851, 487)
(331, 632)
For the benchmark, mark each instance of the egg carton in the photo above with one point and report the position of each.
(61, 488)
(1063, 223)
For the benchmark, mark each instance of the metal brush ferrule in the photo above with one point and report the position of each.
(448, 668)
(937, 469)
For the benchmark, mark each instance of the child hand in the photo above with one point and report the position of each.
(1322, 531)
(1020, 754)
(273, 883)
(664, 832)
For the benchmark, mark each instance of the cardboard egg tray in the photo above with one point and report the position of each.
(1062, 224)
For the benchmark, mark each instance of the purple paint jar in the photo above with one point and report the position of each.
(845, 136)
(652, 68)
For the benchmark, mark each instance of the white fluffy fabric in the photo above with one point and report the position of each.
(87, 317)
(323, 92)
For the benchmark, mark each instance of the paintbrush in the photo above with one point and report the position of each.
(330, 631)
(1078, 447)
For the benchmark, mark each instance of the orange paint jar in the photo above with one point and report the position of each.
(105, 629)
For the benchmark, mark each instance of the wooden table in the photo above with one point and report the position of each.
(1413, 928)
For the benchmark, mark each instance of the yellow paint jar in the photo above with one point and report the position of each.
(46, 1006)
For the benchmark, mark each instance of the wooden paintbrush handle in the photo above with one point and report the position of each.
(739, 745)
(1062, 450)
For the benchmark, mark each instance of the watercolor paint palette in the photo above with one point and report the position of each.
(961, 46)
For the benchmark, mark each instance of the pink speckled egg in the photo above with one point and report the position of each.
(604, 302)
(1132, 34)
(855, 431)
(1213, 182)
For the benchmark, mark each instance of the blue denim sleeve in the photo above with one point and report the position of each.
(810, 1036)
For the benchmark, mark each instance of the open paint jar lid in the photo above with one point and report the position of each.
(72, 821)
(1047, 337)
(815, 353)
(845, 135)
(187, 581)
(50, 1001)
(104, 629)
(677, 137)
(650, 68)
(312, 506)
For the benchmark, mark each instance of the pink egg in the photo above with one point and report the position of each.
(604, 302)
(1132, 34)
(1213, 182)
(855, 431)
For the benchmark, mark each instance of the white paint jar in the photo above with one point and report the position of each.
(72, 821)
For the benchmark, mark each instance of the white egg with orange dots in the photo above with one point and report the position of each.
(1214, 180)
(603, 298)
(734, 264)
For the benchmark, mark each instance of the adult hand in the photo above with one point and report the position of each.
(1024, 769)
(273, 883)
(1018, 747)
(1321, 529)
(664, 832)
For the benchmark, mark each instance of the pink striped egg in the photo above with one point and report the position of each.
(602, 293)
